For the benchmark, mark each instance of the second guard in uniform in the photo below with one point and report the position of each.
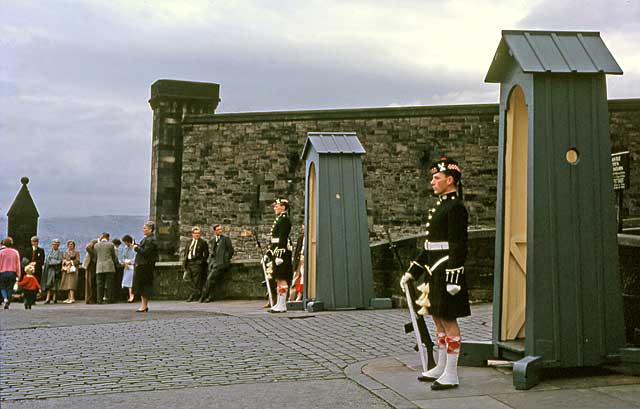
(278, 257)
(444, 294)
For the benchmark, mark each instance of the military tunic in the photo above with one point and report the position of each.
(280, 247)
(444, 254)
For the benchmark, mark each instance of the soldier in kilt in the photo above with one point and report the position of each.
(278, 257)
(445, 295)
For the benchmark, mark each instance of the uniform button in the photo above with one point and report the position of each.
(428, 224)
(427, 233)
(430, 217)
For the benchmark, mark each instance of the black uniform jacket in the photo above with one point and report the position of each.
(280, 247)
(445, 249)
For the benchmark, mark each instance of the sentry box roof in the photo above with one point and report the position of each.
(333, 142)
(552, 52)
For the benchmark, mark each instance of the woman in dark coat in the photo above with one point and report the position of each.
(146, 257)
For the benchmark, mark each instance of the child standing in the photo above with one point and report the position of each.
(30, 287)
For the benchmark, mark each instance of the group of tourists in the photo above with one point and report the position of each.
(36, 272)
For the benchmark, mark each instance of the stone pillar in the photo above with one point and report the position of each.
(22, 219)
(170, 101)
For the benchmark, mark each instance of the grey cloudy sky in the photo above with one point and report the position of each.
(75, 75)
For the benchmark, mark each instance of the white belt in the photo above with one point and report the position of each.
(436, 264)
(436, 245)
(275, 240)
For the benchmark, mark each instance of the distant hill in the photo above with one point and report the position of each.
(83, 229)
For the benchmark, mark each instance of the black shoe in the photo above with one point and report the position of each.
(26, 306)
(47, 302)
(55, 301)
(202, 299)
(423, 378)
(191, 298)
(6, 306)
(436, 386)
(210, 299)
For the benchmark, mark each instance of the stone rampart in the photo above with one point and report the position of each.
(234, 165)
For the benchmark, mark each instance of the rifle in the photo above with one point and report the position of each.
(264, 267)
(418, 326)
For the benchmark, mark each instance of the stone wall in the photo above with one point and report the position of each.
(243, 280)
(624, 126)
(234, 165)
(240, 282)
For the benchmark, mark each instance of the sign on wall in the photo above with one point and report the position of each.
(621, 171)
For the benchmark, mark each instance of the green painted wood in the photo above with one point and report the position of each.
(574, 303)
(344, 277)
(579, 250)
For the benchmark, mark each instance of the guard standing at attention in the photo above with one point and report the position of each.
(444, 295)
(278, 257)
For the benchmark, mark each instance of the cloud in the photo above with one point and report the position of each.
(75, 84)
(585, 15)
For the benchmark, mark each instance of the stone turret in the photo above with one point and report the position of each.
(170, 101)
(22, 218)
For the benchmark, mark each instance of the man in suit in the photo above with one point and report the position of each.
(37, 256)
(106, 261)
(195, 256)
(219, 261)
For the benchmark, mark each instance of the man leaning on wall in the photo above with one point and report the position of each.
(219, 263)
(195, 257)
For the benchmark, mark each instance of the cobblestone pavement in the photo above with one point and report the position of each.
(77, 350)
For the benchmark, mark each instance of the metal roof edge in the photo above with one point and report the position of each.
(590, 33)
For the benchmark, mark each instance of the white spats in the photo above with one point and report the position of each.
(435, 372)
(281, 304)
(449, 378)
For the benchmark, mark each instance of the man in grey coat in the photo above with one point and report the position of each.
(106, 261)
(221, 251)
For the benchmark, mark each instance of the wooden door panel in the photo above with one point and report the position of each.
(514, 273)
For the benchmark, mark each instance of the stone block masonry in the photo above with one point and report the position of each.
(227, 168)
(234, 165)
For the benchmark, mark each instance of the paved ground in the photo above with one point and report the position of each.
(234, 354)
